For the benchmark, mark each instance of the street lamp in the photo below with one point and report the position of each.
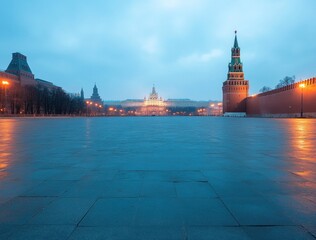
(302, 86)
(5, 84)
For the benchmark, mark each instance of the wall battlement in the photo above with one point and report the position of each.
(307, 82)
(288, 101)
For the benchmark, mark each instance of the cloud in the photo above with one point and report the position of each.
(181, 45)
(151, 45)
(179, 4)
(201, 57)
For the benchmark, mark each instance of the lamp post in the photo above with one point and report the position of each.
(5, 84)
(302, 86)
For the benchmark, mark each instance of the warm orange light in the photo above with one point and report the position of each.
(87, 102)
(212, 105)
(5, 83)
(302, 85)
(110, 109)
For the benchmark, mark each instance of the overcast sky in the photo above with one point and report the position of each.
(181, 46)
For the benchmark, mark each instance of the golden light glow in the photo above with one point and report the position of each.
(301, 149)
(302, 85)
(6, 145)
(111, 109)
(5, 83)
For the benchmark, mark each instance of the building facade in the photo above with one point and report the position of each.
(19, 72)
(153, 105)
(19, 89)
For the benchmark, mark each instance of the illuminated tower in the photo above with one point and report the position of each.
(235, 88)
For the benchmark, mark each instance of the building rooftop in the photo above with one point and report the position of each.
(18, 64)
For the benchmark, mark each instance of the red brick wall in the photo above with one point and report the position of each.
(234, 96)
(285, 101)
(8, 77)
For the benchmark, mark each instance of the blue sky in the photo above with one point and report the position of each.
(181, 46)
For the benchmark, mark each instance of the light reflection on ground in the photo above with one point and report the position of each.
(190, 177)
(6, 144)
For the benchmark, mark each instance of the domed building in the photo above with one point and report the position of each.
(154, 105)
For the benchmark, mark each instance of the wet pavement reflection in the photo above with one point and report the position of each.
(157, 178)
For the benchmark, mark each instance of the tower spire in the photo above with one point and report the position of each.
(153, 89)
(235, 65)
(236, 41)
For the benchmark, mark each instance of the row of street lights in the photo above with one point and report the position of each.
(90, 103)
(5, 84)
(93, 108)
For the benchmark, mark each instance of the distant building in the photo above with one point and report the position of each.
(94, 104)
(187, 103)
(155, 105)
(95, 97)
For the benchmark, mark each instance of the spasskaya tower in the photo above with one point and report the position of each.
(235, 88)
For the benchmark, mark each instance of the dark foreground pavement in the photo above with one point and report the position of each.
(157, 178)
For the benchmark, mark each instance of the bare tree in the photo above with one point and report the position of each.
(265, 89)
(285, 81)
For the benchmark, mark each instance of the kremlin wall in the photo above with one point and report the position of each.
(295, 100)
(288, 101)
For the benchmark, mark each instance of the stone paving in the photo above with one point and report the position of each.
(157, 178)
